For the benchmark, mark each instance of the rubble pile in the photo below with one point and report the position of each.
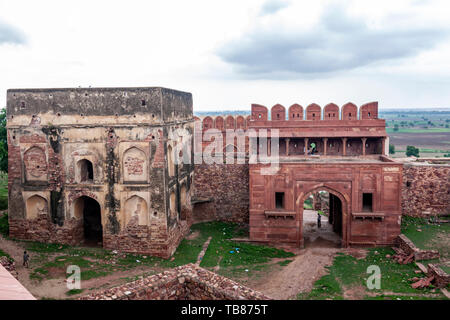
(9, 265)
(188, 282)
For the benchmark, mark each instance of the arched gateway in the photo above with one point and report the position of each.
(336, 214)
(88, 210)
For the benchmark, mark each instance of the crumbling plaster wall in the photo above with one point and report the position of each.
(128, 154)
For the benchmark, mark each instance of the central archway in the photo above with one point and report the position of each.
(333, 229)
(89, 211)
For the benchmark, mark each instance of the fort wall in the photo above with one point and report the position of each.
(426, 189)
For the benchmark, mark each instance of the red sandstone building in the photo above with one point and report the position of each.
(350, 162)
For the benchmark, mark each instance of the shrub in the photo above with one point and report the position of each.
(412, 151)
(391, 149)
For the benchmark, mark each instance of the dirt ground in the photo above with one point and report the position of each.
(56, 288)
(431, 140)
(308, 266)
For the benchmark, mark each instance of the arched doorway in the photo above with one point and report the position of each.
(89, 211)
(85, 171)
(322, 219)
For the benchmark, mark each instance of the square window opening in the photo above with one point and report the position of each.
(367, 202)
(279, 200)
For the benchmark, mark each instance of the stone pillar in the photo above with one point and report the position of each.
(325, 142)
(383, 146)
(287, 146)
(344, 146)
(306, 146)
(363, 146)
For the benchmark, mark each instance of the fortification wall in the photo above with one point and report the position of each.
(426, 189)
(226, 186)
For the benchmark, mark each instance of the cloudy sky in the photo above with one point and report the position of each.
(232, 53)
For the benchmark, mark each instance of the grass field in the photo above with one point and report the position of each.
(347, 277)
(51, 260)
(417, 130)
(3, 190)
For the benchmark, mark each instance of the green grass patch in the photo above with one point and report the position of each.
(231, 253)
(4, 225)
(349, 272)
(52, 260)
(308, 204)
(426, 235)
(3, 190)
(74, 292)
(417, 130)
(326, 287)
(284, 262)
(404, 297)
(4, 254)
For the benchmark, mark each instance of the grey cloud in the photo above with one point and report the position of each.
(9, 34)
(273, 6)
(338, 42)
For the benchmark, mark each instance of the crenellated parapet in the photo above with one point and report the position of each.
(314, 112)
(224, 122)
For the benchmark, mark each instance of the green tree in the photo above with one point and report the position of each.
(412, 151)
(3, 142)
(396, 127)
(391, 149)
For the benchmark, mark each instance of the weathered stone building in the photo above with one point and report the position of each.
(95, 165)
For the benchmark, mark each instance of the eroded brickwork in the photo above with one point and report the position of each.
(226, 185)
(426, 189)
(188, 282)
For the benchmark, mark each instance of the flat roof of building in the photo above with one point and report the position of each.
(11, 288)
(334, 159)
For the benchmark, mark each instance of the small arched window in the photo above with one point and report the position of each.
(86, 170)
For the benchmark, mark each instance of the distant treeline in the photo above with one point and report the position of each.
(436, 111)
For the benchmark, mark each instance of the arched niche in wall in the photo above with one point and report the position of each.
(36, 206)
(135, 168)
(35, 163)
(184, 199)
(85, 171)
(172, 205)
(135, 211)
